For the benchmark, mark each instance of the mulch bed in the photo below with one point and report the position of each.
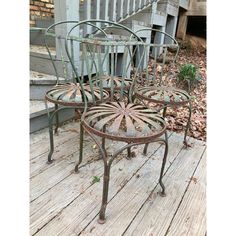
(178, 117)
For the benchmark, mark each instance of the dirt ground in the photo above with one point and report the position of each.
(178, 117)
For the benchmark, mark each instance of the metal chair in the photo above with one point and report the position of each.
(66, 94)
(151, 87)
(119, 120)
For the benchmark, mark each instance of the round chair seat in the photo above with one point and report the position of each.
(163, 95)
(71, 94)
(118, 82)
(128, 123)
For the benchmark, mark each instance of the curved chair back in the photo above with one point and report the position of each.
(105, 57)
(56, 33)
(161, 54)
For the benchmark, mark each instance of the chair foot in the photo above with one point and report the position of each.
(76, 169)
(100, 221)
(162, 194)
(50, 161)
(186, 144)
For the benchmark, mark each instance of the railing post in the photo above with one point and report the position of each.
(87, 11)
(120, 8)
(104, 9)
(65, 10)
(112, 10)
(126, 8)
(96, 6)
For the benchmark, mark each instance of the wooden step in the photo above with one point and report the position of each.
(39, 118)
(40, 83)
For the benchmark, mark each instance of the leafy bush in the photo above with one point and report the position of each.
(188, 74)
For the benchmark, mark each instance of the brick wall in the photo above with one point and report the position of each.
(41, 9)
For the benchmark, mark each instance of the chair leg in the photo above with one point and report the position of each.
(103, 141)
(145, 149)
(129, 153)
(50, 126)
(57, 119)
(188, 125)
(106, 178)
(50, 160)
(81, 140)
(162, 193)
(164, 112)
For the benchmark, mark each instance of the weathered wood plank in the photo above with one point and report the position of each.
(52, 174)
(190, 218)
(86, 206)
(155, 216)
(39, 143)
(82, 209)
(128, 202)
(48, 205)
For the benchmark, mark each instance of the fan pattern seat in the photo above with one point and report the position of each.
(163, 95)
(70, 94)
(118, 82)
(124, 122)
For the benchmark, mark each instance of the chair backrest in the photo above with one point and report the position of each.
(160, 56)
(56, 35)
(105, 55)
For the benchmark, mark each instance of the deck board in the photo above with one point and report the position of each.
(65, 203)
(190, 218)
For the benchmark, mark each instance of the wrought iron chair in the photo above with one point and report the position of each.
(66, 94)
(152, 88)
(120, 120)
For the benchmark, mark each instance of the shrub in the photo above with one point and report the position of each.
(189, 75)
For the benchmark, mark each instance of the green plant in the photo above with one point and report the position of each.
(188, 74)
(95, 179)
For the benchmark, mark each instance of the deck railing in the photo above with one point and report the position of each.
(113, 10)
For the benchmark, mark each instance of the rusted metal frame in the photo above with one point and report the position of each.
(50, 124)
(69, 56)
(57, 118)
(72, 53)
(124, 72)
(124, 139)
(171, 104)
(81, 141)
(65, 70)
(131, 91)
(88, 72)
(47, 33)
(155, 66)
(112, 72)
(107, 166)
(163, 63)
(188, 123)
(147, 59)
(99, 52)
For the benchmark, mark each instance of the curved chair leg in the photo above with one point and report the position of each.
(81, 140)
(50, 126)
(188, 125)
(57, 119)
(106, 179)
(162, 193)
(50, 160)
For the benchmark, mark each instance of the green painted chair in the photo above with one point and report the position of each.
(152, 87)
(66, 94)
(119, 118)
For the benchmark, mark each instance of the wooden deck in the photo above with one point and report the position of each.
(65, 203)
